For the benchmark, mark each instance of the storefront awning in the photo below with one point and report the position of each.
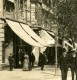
(47, 38)
(16, 27)
(29, 31)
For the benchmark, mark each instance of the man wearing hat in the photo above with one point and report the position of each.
(73, 63)
(64, 62)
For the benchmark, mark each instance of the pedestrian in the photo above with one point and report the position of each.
(22, 58)
(11, 61)
(41, 62)
(73, 63)
(64, 64)
(32, 59)
(26, 63)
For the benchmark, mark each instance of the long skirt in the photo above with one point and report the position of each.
(26, 65)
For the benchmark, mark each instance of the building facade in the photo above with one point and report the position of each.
(32, 12)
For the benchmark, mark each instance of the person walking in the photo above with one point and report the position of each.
(26, 63)
(64, 64)
(73, 63)
(11, 61)
(41, 62)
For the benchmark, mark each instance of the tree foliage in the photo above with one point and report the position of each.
(67, 17)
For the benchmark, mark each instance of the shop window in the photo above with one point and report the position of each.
(21, 4)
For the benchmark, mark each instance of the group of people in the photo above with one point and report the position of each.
(26, 61)
(68, 60)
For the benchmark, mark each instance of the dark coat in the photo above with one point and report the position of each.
(32, 58)
(11, 60)
(73, 62)
(42, 59)
(64, 62)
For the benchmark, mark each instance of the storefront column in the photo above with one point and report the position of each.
(1, 43)
(1, 32)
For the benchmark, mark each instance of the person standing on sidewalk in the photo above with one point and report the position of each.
(41, 62)
(73, 63)
(11, 61)
(64, 63)
(26, 63)
(22, 58)
(32, 59)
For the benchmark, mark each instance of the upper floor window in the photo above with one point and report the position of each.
(9, 5)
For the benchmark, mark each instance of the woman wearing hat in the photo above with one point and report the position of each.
(26, 62)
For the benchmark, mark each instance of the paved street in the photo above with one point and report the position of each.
(35, 74)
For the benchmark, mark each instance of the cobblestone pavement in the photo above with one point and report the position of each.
(35, 74)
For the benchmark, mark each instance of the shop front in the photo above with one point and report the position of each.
(19, 38)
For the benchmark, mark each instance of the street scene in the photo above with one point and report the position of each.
(38, 39)
(35, 74)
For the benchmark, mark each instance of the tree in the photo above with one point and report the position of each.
(67, 17)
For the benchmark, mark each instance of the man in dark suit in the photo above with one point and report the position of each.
(73, 63)
(32, 59)
(11, 61)
(41, 61)
(64, 62)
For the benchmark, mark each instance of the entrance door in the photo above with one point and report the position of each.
(20, 48)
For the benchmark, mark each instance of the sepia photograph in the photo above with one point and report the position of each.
(38, 39)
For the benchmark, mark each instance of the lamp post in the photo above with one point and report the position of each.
(56, 54)
(55, 30)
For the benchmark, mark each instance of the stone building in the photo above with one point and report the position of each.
(34, 13)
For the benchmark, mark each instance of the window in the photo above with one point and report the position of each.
(8, 6)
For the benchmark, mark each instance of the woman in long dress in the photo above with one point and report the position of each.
(26, 63)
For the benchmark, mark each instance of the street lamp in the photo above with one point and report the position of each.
(56, 61)
(55, 30)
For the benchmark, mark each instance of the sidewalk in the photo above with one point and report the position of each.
(35, 74)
